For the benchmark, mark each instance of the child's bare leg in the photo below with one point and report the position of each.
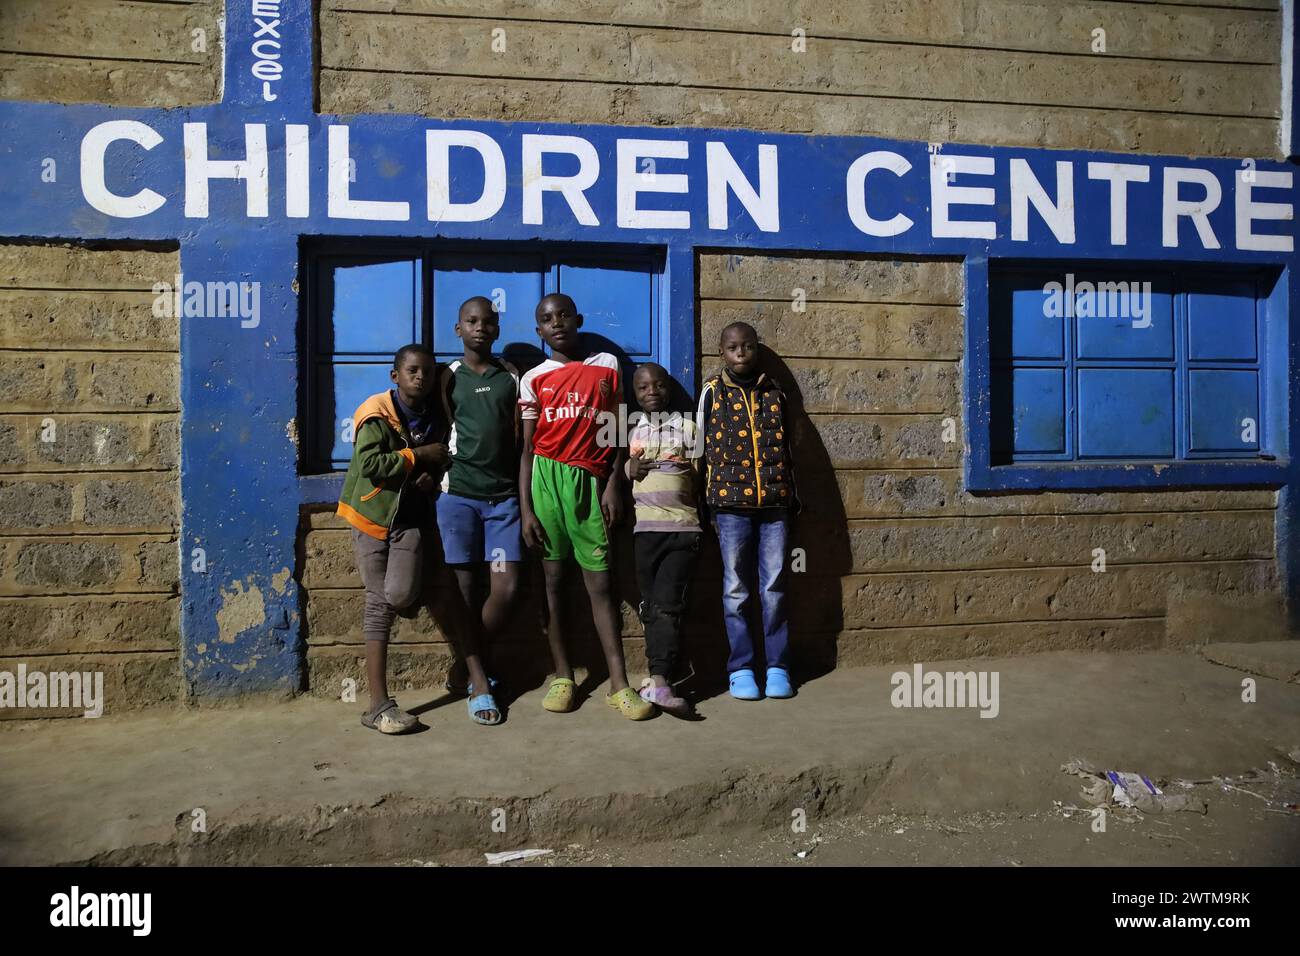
(469, 642)
(554, 573)
(605, 615)
(377, 672)
(504, 588)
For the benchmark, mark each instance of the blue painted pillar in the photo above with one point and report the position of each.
(240, 615)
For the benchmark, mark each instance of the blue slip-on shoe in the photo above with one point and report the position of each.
(778, 683)
(743, 686)
(482, 703)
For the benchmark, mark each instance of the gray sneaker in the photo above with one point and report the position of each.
(388, 718)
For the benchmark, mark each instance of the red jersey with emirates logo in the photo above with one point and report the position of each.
(567, 400)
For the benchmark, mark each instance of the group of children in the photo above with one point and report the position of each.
(497, 462)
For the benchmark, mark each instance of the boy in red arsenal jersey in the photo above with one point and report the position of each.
(570, 490)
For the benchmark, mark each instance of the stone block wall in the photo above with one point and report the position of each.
(123, 52)
(1196, 78)
(89, 480)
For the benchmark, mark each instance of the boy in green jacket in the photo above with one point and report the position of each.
(387, 498)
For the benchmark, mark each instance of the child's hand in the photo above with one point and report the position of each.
(432, 456)
(531, 530)
(611, 504)
(424, 482)
(638, 467)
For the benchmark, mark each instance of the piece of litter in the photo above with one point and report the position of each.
(509, 856)
(900, 831)
(1130, 787)
(1111, 788)
(803, 854)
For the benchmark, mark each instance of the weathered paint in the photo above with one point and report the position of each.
(240, 489)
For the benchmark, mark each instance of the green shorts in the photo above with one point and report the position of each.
(566, 500)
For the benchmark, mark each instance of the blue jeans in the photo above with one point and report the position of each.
(747, 540)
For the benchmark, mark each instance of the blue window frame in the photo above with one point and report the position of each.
(1100, 375)
(362, 307)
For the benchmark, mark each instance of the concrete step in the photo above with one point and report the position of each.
(304, 782)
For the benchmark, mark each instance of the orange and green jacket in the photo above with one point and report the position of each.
(381, 461)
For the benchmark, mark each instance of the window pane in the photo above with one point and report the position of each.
(1221, 322)
(1027, 323)
(513, 283)
(1123, 318)
(1222, 408)
(370, 307)
(1126, 413)
(615, 299)
(1038, 411)
(338, 397)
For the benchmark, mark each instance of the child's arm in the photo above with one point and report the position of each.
(796, 506)
(530, 527)
(703, 413)
(611, 499)
(376, 464)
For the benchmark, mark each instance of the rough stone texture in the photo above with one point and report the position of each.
(63, 625)
(79, 564)
(51, 382)
(1005, 72)
(132, 681)
(921, 493)
(1203, 617)
(840, 330)
(62, 503)
(871, 386)
(1279, 660)
(84, 320)
(670, 55)
(906, 644)
(89, 491)
(828, 279)
(114, 51)
(958, 597)
(875, 441)
(965, 543)
(1250, 34)
(65, 442)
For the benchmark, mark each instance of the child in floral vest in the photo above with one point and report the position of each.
(751, 491)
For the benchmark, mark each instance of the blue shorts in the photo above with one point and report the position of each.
(474, 530)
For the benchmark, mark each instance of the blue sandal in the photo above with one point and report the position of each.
(482, 702)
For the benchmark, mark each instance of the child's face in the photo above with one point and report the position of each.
(558, 323)
(650, 386)
(739, 350)
(478, 326)
(415, 378)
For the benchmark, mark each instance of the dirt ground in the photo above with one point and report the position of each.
(1249, 825)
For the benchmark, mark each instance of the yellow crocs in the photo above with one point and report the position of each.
(561, 696)
(631, 705)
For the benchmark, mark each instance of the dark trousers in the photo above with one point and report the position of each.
(665, 564)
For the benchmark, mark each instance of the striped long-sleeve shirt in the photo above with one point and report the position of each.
(665, 498)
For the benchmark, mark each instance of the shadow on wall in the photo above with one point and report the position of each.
(820, 555)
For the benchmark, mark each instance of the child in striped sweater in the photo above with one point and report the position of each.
(668, 533)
